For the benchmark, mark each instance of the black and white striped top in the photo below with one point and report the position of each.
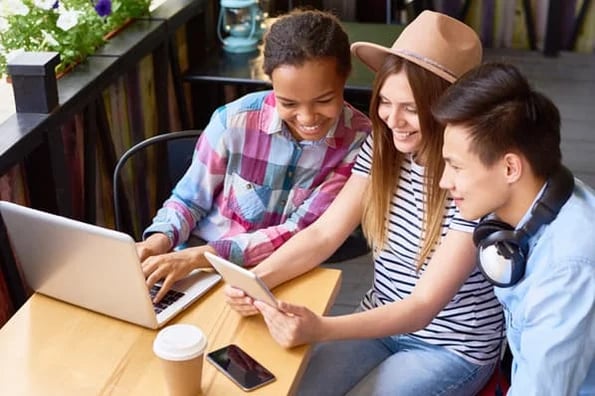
(471, 323)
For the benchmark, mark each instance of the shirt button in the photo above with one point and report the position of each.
(248, 186)
(290, 173)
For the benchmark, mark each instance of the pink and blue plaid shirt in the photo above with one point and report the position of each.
(251, 185)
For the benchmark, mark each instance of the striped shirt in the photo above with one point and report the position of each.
(471, 323)
(251, 185)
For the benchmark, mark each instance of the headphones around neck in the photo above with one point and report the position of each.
(502, 250)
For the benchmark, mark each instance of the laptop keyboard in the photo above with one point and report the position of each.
(170, 297)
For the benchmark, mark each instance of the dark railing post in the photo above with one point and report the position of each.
(34, 81)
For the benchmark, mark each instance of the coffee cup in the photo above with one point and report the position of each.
(180, 348)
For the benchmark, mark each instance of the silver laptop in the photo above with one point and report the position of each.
(92, 267)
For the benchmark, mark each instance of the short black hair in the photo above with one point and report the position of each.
(303, 35)
(503, 113)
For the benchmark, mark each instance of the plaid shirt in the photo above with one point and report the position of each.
(251, 185)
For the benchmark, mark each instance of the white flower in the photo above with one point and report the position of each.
(44, 4)
(3, 25)
(48, 38)
(14, 7)
(68, 19)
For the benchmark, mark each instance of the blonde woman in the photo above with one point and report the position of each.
(430, 324)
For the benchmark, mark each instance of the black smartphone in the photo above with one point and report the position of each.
(240, 367)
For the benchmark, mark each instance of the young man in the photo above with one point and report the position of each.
(502, 153)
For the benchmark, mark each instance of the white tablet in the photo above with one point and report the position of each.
(241, 278)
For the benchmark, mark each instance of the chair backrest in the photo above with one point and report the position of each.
(176, 149)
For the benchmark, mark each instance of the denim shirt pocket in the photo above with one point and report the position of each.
(247, 199)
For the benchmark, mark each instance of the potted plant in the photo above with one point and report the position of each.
(73, 28)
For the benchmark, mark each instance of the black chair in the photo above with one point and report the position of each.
(174, 149)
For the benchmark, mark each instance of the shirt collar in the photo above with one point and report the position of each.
(527, 214)
(276, 125)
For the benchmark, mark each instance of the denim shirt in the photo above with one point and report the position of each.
(550, 313)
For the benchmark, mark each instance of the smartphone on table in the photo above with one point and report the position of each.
(240, 367)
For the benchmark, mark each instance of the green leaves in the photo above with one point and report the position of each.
(71, 27)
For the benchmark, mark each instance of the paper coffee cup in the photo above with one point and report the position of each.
(181, 348)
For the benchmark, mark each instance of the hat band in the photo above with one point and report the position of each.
(427, 60)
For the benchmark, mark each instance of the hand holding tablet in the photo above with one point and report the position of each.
(241, 278)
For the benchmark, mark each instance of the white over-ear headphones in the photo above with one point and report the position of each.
(502, 250)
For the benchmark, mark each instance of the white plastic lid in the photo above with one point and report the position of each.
(179, 342)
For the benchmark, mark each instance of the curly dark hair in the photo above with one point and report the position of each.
(303, 35)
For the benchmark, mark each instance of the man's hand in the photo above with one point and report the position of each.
(290, 325)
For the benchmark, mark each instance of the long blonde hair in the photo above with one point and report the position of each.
(386, 159)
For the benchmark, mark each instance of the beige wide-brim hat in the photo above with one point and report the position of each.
(434, 41)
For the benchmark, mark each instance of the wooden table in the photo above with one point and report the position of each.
(53, 348)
